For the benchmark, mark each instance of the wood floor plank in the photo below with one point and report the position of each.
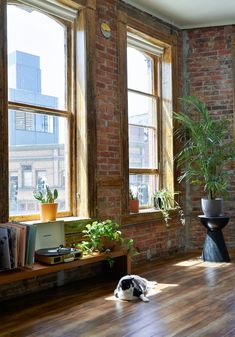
(192, 299)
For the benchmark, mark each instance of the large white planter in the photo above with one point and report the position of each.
(212, 207)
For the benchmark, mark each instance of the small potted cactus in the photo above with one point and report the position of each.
(48, 207)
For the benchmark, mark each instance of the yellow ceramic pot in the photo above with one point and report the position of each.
(48, 212)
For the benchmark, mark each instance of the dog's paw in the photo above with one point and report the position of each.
(144, 299)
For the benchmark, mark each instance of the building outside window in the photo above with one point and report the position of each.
(144, 100)
(39, 104)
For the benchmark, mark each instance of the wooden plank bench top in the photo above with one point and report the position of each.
(123, 266)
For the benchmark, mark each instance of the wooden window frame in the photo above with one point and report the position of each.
(131, 22)
(156, 94)
(82, 117)
(67, 113)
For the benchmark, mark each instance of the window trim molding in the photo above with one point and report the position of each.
(54, 8)
(4, 208)
(85, 131)
(122, 85)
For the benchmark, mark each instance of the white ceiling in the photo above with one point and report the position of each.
(190, 13)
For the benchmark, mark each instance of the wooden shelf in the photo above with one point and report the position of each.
(39, 269)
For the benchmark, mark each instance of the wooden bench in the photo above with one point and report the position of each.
(122, 266)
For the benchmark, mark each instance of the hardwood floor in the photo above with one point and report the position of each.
(192, 299)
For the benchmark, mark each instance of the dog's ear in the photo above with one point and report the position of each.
(126, 283)
(132, 281)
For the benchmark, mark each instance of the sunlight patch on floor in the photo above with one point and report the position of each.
(188, 263)
(199, 263)
(160, 287)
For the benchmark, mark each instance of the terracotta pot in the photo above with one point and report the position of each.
(108, 244)
(134, 206)
(48, 212)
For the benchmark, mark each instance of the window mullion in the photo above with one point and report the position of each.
(142, 93)
(37, 109)
(143, 126)
(143, 171)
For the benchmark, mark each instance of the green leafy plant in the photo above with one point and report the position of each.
(84, 246)
(207, 150)
(164, 200)
(102, 236)
(47, 196)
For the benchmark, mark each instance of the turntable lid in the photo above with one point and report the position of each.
(50, 234)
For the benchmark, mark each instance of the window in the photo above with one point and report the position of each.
(41, 179)
(39, 78)
(27, 176)
(44, 123)
(24, 121)
(13, 189)
(48, 109)
(144, 101)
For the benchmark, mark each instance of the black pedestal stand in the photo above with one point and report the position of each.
(215, 249)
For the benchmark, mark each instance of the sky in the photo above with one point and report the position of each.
(44, 37)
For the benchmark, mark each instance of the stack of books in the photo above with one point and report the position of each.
(17, 245)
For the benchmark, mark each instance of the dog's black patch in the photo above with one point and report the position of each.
(126, 284)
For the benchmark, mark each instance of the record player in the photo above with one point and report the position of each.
(50, 248)
(57, 255)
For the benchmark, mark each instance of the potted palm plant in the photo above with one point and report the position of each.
(48, 207)
(206, 154)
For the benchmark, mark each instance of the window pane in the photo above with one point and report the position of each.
(41, 179)
(144, 186)
(13, 189)
(27, 178)
(36, 58)
(141, 109)
(142, 148)
(140, 70)
(44, 123)
(37, 158)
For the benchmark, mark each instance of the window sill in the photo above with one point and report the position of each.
(144, 215)
(69, 219)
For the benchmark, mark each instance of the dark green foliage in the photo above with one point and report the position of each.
(48, 197)
(101, 235)
(207, 149)
(165, 202)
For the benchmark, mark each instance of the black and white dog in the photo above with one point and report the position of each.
(131, 287)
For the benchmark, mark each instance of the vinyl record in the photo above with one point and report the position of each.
(54, 251)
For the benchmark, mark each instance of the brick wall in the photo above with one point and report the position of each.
(153, 238)
(156, 239)
(208, 75)
(108, 117)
